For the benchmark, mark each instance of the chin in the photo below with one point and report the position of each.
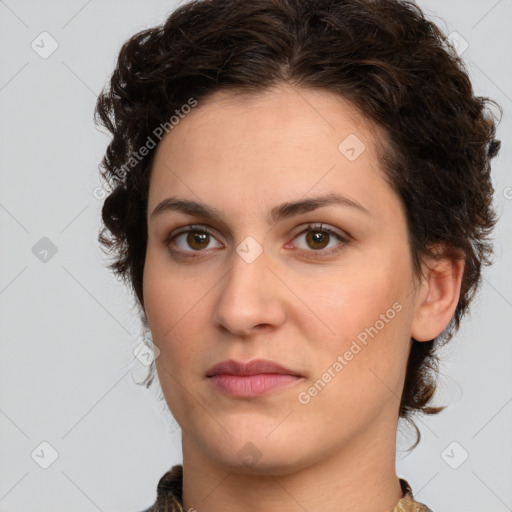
(259, 457)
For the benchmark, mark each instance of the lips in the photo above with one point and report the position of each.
(254, 367)
(251, 380)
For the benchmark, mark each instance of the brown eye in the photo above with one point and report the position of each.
(317, 239)
(190, 240)
(197, 240)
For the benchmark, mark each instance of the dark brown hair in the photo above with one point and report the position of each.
(385, 57)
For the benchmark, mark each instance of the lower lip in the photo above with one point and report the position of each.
(251, 385)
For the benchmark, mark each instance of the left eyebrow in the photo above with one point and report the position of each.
(282, 211)
(309, 204)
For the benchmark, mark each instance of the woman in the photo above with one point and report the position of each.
(301, 201)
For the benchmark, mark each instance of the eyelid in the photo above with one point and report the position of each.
(205, 228)
(321, 226)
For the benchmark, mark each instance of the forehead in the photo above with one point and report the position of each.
(291, 106)
(282, 141)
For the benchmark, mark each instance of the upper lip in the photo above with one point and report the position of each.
(254, 367)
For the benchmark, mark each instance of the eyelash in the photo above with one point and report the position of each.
(345, 240)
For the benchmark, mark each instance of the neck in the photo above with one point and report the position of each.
(359, 477)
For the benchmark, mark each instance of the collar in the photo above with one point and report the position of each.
(169, 495)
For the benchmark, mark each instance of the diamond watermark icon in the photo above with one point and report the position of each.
(44, 45)
(44, 250)
(249, 454)
(454, 455)
(351, 147)
(458, 42)
(44, 455)
(249, 249)
(146, 354)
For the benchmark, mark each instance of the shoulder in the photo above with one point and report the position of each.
(169, 491)
(407, 503)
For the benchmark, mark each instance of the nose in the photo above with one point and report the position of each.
(249, 299)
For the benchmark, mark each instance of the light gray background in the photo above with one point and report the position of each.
(68, 328)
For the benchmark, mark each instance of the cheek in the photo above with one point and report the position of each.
(350, 300)
(368, 315)
(168, 298)
(173, 312)
(175, 309)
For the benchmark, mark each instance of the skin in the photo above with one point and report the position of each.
(243, 156)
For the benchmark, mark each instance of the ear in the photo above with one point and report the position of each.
(438, 294)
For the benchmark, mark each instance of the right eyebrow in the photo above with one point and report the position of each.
(185, 206)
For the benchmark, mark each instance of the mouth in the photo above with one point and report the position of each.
(254, 367)
(253, 379)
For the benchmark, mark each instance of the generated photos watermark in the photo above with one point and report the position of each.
(305, 397)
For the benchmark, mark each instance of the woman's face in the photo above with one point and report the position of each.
(334, 304)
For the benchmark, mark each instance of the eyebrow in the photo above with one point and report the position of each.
(279, 212)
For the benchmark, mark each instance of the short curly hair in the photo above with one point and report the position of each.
(395, 66)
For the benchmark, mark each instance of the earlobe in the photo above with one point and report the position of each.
(438, 297)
